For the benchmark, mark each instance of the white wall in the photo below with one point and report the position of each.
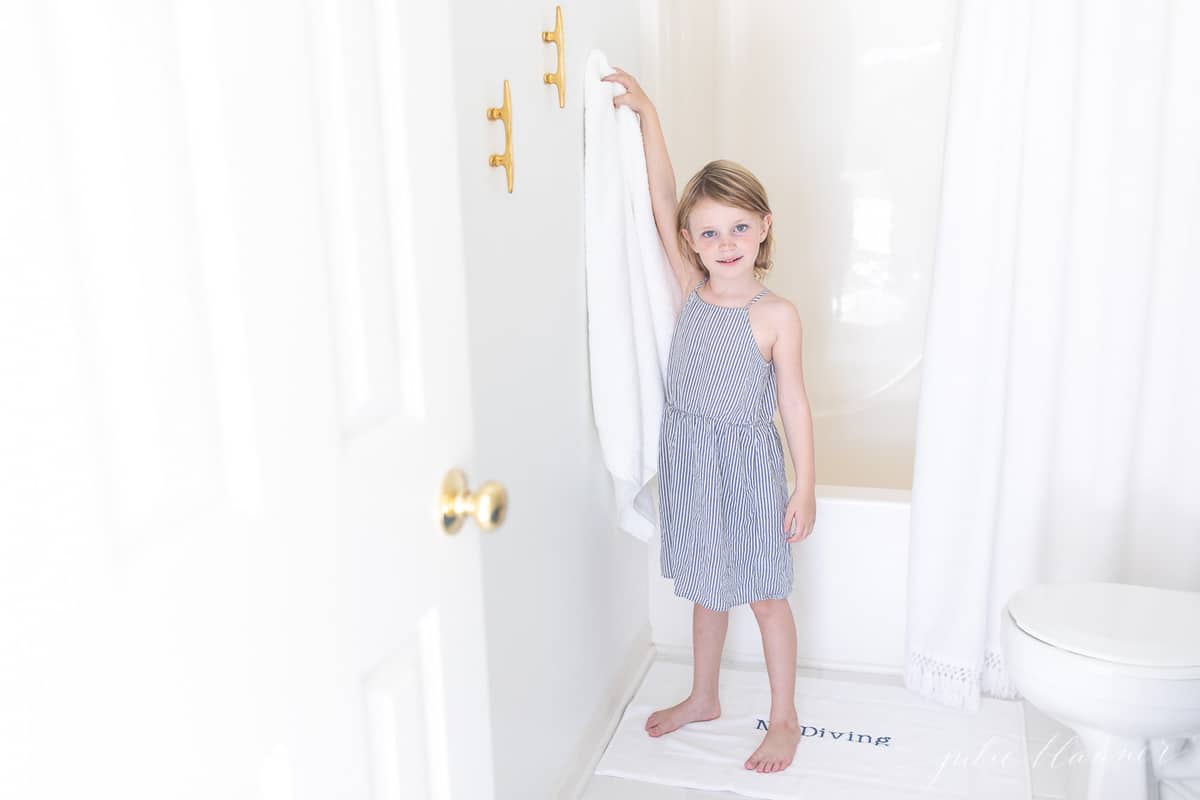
(839, 109)
(564, 589)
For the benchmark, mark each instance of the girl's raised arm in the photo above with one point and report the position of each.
(661, 177)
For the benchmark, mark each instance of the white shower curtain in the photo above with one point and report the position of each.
(1058, 432)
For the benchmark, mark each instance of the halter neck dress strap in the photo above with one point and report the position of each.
(753, 300)
(756, 298)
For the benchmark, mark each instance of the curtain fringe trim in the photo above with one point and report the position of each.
(956, 686)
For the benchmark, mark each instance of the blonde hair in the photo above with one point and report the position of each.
(730, 184)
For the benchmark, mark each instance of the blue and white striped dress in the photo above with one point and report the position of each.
(721, 482)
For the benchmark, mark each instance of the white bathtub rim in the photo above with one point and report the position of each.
(863, 494)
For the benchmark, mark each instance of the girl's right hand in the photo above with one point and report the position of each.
(634, 97)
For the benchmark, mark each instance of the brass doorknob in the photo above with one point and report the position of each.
(488, 504)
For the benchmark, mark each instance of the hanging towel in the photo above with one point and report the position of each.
(631, 300)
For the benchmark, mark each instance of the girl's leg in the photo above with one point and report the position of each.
(708, 640)
(779, 646)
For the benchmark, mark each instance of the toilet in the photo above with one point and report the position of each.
(1118, 664)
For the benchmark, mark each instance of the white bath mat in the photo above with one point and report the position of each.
(860, 742)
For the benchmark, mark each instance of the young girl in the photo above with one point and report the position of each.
(724, 507)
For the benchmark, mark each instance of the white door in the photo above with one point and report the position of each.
(234, 364)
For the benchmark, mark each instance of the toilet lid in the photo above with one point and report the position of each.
(1119, 622)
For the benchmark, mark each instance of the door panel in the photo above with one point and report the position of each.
(232, 384)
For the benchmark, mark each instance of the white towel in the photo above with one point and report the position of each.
(631, 297)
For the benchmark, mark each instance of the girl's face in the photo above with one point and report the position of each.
(726, 237)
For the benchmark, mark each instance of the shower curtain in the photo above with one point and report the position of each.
(1058, 430)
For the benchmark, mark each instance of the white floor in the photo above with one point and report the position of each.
(1050, 747)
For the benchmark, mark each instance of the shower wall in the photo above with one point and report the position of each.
(839, 109)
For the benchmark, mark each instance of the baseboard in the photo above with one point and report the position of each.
(600, 729)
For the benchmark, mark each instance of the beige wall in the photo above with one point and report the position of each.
(839, 109)
(564, 588)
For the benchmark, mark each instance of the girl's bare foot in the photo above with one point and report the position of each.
(666, 720)
(778, 747)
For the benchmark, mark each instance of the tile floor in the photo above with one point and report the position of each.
(1050, 745)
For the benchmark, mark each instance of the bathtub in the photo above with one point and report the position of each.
(856, 198)
(849, 597)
